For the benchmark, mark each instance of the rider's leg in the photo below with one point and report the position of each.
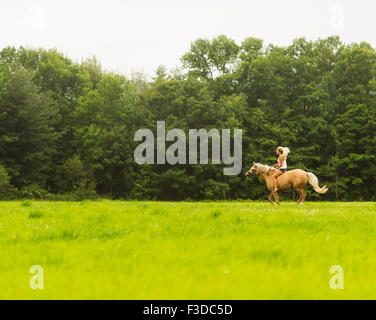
(274, 178)
(274, 183)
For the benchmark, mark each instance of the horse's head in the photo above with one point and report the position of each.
(252, 171)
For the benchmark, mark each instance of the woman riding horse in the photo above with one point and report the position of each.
(281, 165)
(296, 179)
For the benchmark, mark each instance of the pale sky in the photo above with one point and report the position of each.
(130, 36)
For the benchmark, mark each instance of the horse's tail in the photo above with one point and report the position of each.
(314, 182)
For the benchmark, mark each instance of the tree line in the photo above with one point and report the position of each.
(67, 128)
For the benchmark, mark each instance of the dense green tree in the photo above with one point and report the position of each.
(104, 124)
(68, 127)
(28, 135)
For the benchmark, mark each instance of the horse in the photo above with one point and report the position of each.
(296, 179)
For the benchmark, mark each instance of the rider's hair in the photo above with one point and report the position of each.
(285, 151)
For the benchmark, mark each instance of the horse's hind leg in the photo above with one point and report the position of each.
(271, 198)
(302, 195)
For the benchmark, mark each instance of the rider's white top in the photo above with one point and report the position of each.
(284, 164)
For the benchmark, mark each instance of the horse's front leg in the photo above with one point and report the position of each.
(271, 198)
(275, 194)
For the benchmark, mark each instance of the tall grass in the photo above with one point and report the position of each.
(166, 250)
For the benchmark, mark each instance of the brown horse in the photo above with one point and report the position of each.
(296, 179)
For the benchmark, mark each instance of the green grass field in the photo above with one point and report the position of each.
(186, 250)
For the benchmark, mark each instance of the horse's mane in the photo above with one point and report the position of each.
(263, 168)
